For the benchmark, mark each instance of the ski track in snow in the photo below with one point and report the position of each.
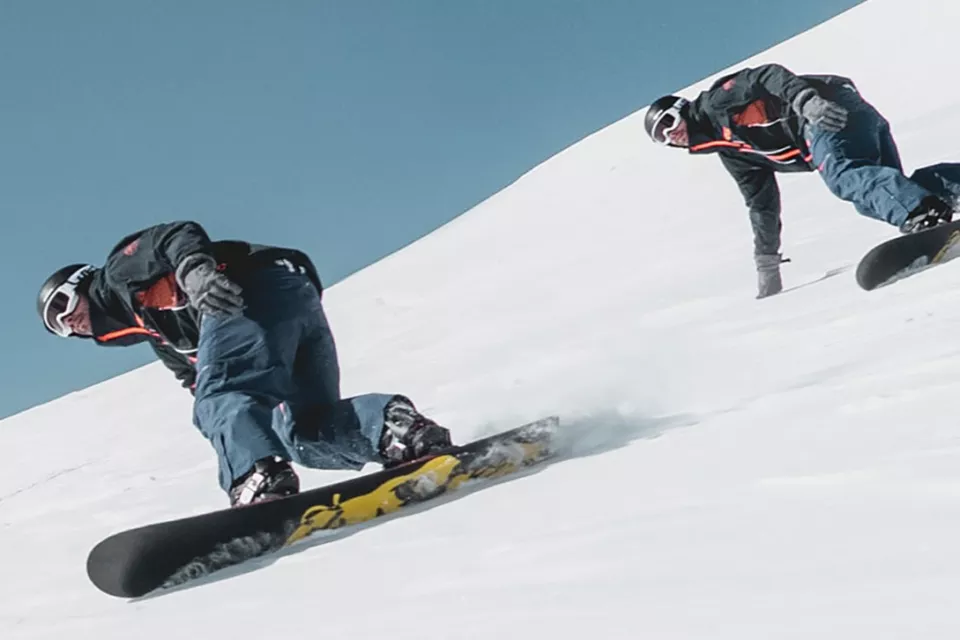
(49, 478)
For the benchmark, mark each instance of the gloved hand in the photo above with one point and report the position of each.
(827, 115)
(768, 274)
(208, 290)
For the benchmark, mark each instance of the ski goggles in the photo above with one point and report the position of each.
(63, 301)
(667, 121)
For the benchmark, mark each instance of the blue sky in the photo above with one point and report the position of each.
(347, 129)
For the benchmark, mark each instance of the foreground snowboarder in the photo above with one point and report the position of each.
(243, 328)
(767, 119)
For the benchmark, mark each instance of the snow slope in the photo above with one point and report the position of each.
(785, 468)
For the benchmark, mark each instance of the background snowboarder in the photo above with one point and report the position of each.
(242, 326)
(767, 119)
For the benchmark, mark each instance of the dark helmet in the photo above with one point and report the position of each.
(59, 293)
(662, 114)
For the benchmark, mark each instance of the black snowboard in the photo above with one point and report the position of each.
(908, 254)
(135, 562)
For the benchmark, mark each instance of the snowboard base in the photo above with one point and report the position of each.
(135, 562)
(907, 255)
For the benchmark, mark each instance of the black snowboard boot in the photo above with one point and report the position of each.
(268, 480)
(929, 213)
(408, 435)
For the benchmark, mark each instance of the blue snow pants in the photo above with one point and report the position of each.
(861, 164)
(268, 382)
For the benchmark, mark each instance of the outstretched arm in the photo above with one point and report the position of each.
(761, 194)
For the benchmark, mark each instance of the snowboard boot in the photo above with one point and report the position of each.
(269, 479)
(408, 435)
(929, 213)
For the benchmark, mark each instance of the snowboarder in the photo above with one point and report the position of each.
(766, 119)
(243, 328)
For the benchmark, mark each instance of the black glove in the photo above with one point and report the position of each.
(827, 115)
(208, 290)
(768, 274)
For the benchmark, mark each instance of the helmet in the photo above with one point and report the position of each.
(59, 295)
(663, 116)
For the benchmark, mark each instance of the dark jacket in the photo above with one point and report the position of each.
(748, 119)
(134, 297)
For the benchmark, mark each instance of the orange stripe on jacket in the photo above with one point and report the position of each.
(113, 335)
(716, 143)
(786, 156)
(745, 148)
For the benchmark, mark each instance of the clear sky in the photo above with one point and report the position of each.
(344, 128)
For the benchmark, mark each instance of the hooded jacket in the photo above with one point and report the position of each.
(747, 118)
(135, 297)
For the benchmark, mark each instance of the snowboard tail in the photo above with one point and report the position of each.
(137, 561)
(907, 255)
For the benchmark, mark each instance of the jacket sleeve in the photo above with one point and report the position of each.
(761, 193)
(755, 83)
(178, 364)
(777, 80)
(143, 257)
